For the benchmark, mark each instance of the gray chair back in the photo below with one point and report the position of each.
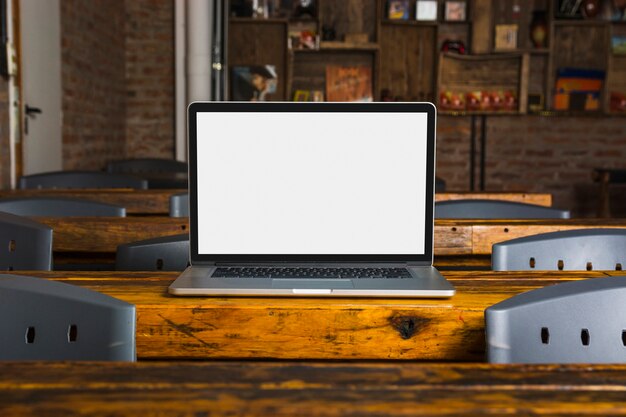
(495, 209)
(81, 179)
(48, 320)
(168, 253)
(440, 185)
(59, 207)
(24, 244)
(571, 250)
(179, 205)
(573, 322)
(146, 165)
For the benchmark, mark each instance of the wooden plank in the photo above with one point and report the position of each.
(541, 199)
(309, 389)
(104, 234)
(155, 201)
(407, 61)
(452, 237)
(482, 16)
(313, 328)
(485, 235)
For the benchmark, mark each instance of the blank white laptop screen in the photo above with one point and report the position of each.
(311, 183)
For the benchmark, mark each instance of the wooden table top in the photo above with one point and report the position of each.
(452, 329)
(156, 201)
(251, 388)
(452, 237)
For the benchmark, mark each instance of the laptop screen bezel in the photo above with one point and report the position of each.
(291, 107)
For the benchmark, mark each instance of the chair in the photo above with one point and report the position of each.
(168, 253)
(571, 250)
(59, 207)
(81, 179)
(495, 209)
(146, 165)
(440, 185)
(24, 244)
(574, 322)
(48, 320)
(179, 205)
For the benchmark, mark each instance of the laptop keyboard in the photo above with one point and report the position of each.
(234, 272)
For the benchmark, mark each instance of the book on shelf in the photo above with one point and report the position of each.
(349, 83)
(253, 83)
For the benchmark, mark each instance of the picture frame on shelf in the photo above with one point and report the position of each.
(398, 9)
(253, 83)
(535, 102)
(426, 10)
(301, 95)
(618, 44)
(455, 11)
(349, 83)
(506, 37)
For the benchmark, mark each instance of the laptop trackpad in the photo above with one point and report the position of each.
(312, 283)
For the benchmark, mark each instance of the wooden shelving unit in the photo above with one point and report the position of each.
(405, 57)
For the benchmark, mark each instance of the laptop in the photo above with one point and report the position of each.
(311, 199)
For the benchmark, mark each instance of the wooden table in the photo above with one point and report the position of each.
(452, 329)
(157, 201)
(452, 237)
(232, 389)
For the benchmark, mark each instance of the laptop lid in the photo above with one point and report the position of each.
(311, 182)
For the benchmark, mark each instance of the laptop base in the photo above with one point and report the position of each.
(426, 282)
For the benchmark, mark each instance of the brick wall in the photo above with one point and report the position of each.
(150, 78)
(93, 82)
(5, 167)
(538, 154)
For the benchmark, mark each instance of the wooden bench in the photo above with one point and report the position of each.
(157, 201)
(252, 388)
(452, 329)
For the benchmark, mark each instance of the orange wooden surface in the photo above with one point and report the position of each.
(250, 388)
(313, 328)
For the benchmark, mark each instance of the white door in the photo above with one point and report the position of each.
(40, 69)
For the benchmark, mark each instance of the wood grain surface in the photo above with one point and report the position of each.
(158, 201)
(452, 329)
(452, 237)
(250, 388)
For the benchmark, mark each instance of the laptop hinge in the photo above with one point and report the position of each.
(422, 263)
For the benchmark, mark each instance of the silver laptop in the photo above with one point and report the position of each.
(311, 199)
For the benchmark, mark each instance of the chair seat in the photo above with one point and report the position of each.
(168, 253)
(495, 209)
(59, 207)
(81, 179)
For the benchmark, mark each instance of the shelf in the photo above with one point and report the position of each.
(532, 51)
(576, 22)
(325, 45)
(581, 113)
(483, 57)
(478, 113)
(269, 20)
(409, 22)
